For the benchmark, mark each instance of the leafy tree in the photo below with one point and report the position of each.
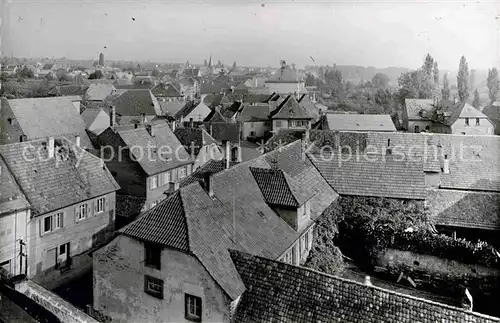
(463, 80)
(428, 65)
(493, 84)
(96, 75)
(380, 81)
(234, 64)
(293, 66)
(155, 73)
(383, 98)
(26, 73)
(472, 79)
(475, 102)
(435, 71)
(333, 79)
(310, 80)
(415, 84)
(4, 77)
(445, 92)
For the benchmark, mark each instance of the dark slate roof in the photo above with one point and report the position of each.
(210, 167)
(214, 88)
(186, 109)
(290, 109)
(464, 208)
(164, 224)
(415, 106)
(73, 176)
(278, 188)
(53, 116)
(197, 136)
(221, 131)
(133, 86)
(11, 196)
(99, 91)
(375, 175)
(254, 112)
(88, 115)
(163, 137)
(69, 89)
(135, 103)
(279, 292)
(283, 75)
(216, 116)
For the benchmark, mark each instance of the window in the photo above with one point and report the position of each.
(466, 121)
(288, 257)
(477, 121)
(193, 308)
(427, 128)
(166, 178)
(52, 222)
(304, 210)
(417, 129)
(153, 182)
(153, 256)
(99, 205)
(153, 204)
(82, 212)
(463, 133)
(182, 172)
(306, 240)
(153, 286)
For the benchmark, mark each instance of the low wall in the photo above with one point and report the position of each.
(63, 310)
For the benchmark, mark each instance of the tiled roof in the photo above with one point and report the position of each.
(11, 196)
(133, 86)
(198, 137)
(284, 75)
(375, 175)
(230, 110)
(255, 112)
(290, 109)
(310, 107)
(278, 188)
(44, 117)
(414, 106)
(210, 167)
(464, 208)
(163, 137)
(279, 292)
(164, 224)
(99, 91)
(70, 89)
(216, 116)
(186, 109)
(71, 177)
(207, 88)
(136, 102)
(166, 90)
(170, 108)
(221, 131)
(88, 115)
(360, 122)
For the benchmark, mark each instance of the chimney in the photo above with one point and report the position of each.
(306, 136)
(337, 141)
(238, 154)
(174, 186)
(446, 165)
(143, 117)
(191, 123)
(136, 125)
(211, 130)
(388, 150)
(227, 155)
(77, 140)
(112, 117)
(368, 281)
(208, 181)
(51, 147)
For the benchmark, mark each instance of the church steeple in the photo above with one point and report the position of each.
(210, 61)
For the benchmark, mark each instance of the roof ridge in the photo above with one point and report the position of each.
(345, 280)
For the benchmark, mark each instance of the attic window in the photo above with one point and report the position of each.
(9, 120)
(262, 215)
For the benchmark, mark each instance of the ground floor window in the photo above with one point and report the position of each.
(193, 308)
(153, 286)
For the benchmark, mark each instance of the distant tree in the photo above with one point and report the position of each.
(234, 65)
(294, 67)
(428, 64)
(138, 66)
(463, 80)
(94, 63)
(26, 73)
(493, 84)
(445, 92)
(435, 71)
(472, 79)
(310, 80)
(65, 77)
(415, 84)
(383, 97)
(475, 102)
(155, 73)
(96, 75)
(205, 63)
(4, 77)
(380, 81)
(333, 79)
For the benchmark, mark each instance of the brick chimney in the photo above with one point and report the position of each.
(174, 125)
(143, 115)
(446, 165)
(368, 281)
(208, 181)
(77, 140)
(227, 154)
(51, 147)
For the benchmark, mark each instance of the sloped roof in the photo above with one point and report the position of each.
(11, 196)
(255, 112)
(135, 103)
(186, 109)
(210, 167)
(279, 292)
(414, 106)
(99, 91)
(466, 209)
(469, 111)
(69, 89)
(310, 107)
(278, 188)
(375, 175)
(360, 122)
(284, 75)
(49, 117)
(222, 131)
(73, 176)
(197, 136)
(89, 114)
(290, 109)
(170, 108)
(175, 156)
(166, 90)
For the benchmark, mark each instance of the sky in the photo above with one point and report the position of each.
(257, 33)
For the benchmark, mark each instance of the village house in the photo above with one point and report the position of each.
(168, 92)
(11, 70)
(71, 196)
(98, 92)
(34, 118)
(96, 120)
(175, 257)
(201, 146)
(285, 81)
(492, 111)
(279, 292)
(132, 107)
(255, 120)
(290, 114)
(196, 111)
(445, 117)
(146, 160)
(14, 217)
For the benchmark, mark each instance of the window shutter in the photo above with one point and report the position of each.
(41, 228)
(105, 204)
(76, 213)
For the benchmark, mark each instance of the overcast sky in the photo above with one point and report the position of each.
(381, 34)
